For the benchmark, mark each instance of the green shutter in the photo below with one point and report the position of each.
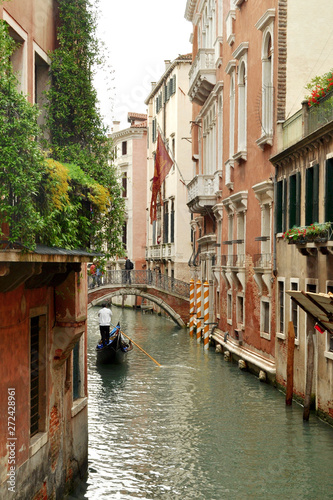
(298, 199)
(284, 205)
(315, 212)
(278, 208)
(308, 196)
(329, 191)
(292, 201)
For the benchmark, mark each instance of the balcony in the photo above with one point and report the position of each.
(164, 251)
(202, 76)
(201, 194)
(310, 239)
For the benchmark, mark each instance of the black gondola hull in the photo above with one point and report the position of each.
(115, 352)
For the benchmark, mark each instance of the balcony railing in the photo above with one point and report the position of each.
(292, 129)
(321, 113)
(201, 193)
(262, 260)
(233, 260)
(202, 75)
(162, 251)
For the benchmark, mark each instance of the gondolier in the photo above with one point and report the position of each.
(105, 315)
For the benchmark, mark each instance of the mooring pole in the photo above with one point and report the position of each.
(309, 376)
(290, 363)
(199, 311)
(206, 315)
(191, 307)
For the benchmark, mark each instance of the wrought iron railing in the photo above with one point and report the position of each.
(321, 113)
(262, 259)
(149, 278)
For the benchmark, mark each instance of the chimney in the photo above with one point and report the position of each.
(167, 63)
(115, 127)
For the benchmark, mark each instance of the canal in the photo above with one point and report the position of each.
(195, 428)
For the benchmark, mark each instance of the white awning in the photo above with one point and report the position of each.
(318, 305)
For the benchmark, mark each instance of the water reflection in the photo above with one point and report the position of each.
(196, 428)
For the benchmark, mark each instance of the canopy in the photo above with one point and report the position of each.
(318, 305)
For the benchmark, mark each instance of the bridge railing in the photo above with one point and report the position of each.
(149, 278)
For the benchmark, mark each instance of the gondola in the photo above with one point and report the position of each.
(116, 350)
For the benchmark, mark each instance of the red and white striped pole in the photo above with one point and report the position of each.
(199, 311)
(206, 315)
(191, 307)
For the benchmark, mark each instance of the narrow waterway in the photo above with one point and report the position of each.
(196, 428)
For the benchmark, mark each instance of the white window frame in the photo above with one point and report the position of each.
(279, 334)
(294, 280)
(229, 306)
(265, 335)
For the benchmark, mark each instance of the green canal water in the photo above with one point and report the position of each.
(195, 428)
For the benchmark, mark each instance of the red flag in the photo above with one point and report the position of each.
(163, 164)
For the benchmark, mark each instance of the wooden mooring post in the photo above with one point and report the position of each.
(290, 363)
(309, 376)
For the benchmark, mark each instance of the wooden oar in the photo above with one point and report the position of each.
(137, 345)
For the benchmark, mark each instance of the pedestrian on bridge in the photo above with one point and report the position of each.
(128, 266)
(105, 315)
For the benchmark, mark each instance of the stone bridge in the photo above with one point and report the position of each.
(173, 296)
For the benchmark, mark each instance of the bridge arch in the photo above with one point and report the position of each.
(108, 294)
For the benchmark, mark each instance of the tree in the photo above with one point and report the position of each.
(21, 159)
(77, 134)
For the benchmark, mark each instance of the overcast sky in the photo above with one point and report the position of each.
(139, 36)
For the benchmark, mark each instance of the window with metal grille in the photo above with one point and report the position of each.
(34, 375)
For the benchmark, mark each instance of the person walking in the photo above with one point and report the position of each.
(105, 315)
(128, 266)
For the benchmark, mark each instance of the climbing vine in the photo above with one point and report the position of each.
(77, 134)
(21, 159)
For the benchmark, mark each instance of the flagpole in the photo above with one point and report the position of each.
(171, 155)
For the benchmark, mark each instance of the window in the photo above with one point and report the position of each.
(329, 191)
(124, 236)
(172, 222)
(294, 309)
(281, 204)
(166, 223)
(240, 309)
(124, 183)
(78, 387)
(265, 318)
(153, 131)
(295, 200)
(232, 117)
(124, 148)
(229, 306)
(19, 57)
(37, 374)
(311, 195)
(242, 108)
(281, 306)
(266, 25)
(41, 82)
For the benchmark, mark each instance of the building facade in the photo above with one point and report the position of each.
(168, 245)
(304, 215)
(130, 159)
(250, 62)
(43, 319)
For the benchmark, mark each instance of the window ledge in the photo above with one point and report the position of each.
(78, 405)
(37, 442)
(265, 335)
(280, 336)
(328, 354)
(240, 156)
(265, 139)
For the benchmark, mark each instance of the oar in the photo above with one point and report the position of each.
(137, 345)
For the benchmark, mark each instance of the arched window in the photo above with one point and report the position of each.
(242, 107)
(267, 86)
(232, 116)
